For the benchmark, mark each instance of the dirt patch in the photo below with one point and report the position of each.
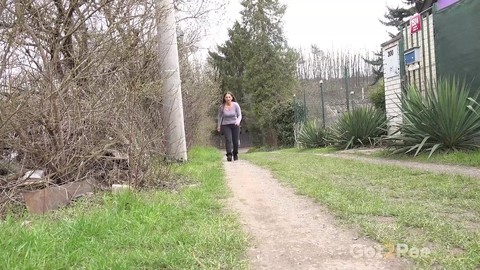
(363, 150)
(387, 221)
(422, 168)
(289, 231)
(467, 219)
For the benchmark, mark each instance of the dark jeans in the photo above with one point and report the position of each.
(231, 133)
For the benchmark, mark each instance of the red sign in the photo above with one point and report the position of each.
(415, 23)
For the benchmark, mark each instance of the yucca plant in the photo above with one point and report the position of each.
(447, 118)
(358, 127)
(311, 135)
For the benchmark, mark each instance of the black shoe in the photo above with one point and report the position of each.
(229, 157)
(235, 157)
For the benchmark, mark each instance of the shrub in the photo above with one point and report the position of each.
(310, 135)
(283, 119)
(377, 96)
(358, 127)
(447, 118)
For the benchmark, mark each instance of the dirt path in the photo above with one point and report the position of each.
(430, 167)
(290, 231)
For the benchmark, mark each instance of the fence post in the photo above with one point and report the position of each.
(295, 116)
(346, 88)
(304, 106)
(323, 104)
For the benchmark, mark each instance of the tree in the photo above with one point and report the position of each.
(259, 64)
(377, 66)
(396, 16)
(230, 60)
(79, 91)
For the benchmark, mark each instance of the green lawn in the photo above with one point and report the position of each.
(435, 215)
(188, 229)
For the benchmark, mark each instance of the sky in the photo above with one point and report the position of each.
(343, 24)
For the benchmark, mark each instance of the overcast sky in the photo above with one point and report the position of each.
(348, 24)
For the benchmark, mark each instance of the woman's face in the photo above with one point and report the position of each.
(228, 98)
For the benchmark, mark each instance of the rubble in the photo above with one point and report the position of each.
(51, 198)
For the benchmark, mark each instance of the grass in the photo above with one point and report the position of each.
(395, 206)
(465, 158)
(134, 230)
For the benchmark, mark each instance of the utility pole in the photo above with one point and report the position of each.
(172, 110)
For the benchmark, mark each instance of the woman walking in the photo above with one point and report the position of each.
(229, 118)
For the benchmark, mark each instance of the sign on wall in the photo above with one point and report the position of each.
(391, 62)
(415, 23)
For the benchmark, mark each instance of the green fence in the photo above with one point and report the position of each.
(457, 41)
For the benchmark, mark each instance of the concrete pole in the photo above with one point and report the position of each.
(172, 110)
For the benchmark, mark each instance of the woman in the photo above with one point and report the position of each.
(229, 118)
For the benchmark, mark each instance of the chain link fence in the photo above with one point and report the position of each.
(325, 100)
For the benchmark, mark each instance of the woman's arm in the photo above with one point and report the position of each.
(238, 111)
(219, 117)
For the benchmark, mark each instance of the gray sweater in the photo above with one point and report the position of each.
(228, 117)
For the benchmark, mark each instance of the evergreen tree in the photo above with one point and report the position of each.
(377, 66)
(230, 59)
(396, 16)
(265, 65)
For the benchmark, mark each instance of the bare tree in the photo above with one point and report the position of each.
(79, 91)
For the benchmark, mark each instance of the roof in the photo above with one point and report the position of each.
(395, 38)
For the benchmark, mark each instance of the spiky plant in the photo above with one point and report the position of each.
(311, 135)
(358, 127)
(447, 117)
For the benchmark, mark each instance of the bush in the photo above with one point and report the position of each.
(283, 119)
(311, 135)
(377, 97)
(359, 127)
(447, 118)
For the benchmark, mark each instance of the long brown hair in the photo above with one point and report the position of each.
(228, 93)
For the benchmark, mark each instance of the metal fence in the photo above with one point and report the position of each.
(325, 100)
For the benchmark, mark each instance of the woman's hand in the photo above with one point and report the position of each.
(218, 129)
